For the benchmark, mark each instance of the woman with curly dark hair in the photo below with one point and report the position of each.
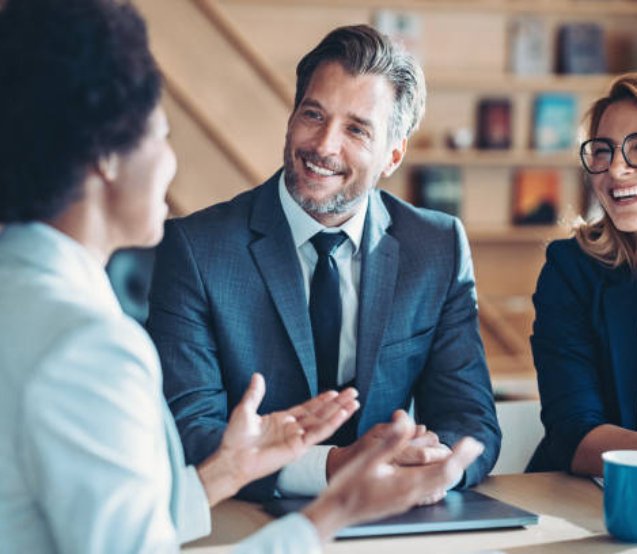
(91, 459)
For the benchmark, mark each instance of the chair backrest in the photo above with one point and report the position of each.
(522, 430)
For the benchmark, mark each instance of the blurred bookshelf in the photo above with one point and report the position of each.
(511, 83)
(469, 53)
(492, 158)
(550, 7)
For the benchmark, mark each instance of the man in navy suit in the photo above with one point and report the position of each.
(389, 307)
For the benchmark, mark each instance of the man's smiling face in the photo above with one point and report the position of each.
(337, 145)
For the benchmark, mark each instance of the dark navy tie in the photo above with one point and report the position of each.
(325, 308)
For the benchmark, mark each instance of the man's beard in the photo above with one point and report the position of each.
(341, 202)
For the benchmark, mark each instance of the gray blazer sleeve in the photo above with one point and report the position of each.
(179, 324)
(453, 395)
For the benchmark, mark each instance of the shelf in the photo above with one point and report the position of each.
(529, 234)
(491, 158)
(518, 234)
(503, 83)
(603, 8)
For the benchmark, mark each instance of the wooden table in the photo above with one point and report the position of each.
(570, 509)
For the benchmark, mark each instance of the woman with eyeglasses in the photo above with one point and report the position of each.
(585, 333)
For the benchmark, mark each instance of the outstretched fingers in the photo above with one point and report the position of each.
(254, 394)
(325, 403)
(464, 453)
(440, 476)
(396, 436)
(321, 416)
(317, 429)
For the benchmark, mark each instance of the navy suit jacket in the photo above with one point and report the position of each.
(228, 299)
(585, 349)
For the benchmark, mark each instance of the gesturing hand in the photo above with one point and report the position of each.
(422, 446)
(372, 485)
(254, 446)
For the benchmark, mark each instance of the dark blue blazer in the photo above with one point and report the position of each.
(228, 299)
(585, 349)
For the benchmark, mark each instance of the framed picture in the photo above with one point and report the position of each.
(438, 188)
(581, 49)
(554, 121)
(494, 123)
(536, 194)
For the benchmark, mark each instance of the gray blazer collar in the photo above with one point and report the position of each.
(379, 272)
(267, 214)
(275, 255)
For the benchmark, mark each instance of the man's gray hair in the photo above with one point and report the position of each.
(361, 49)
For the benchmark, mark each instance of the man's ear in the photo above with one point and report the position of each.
(108, 167)
(396, 157)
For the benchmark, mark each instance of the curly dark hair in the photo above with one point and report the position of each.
(77, 82)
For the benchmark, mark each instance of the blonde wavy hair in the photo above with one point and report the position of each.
(600, 239)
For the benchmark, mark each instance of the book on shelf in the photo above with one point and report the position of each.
(438, 187)
(581, 49)
(536, 194)
(529, 52)
(494, 123)
(554, 121)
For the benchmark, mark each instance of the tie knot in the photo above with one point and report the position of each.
(326, 244)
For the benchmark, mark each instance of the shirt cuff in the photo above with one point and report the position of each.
(289, 535)
(193, 514)
(306, 476)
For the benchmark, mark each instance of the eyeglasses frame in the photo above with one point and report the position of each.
(613, 147)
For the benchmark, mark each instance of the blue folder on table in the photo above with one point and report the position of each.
(459, 511)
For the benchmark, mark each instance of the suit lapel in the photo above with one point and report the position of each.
(276, 258)
(620, 307)
(379, 270)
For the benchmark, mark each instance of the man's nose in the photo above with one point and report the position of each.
(329, 140)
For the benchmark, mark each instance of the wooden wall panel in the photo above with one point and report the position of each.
(284, 35)
(204, 175)
(217, 80)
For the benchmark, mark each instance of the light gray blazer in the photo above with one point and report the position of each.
(91, 459)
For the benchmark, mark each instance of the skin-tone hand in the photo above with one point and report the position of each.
(371, 486)
(422, 448)
(587, 459)
(254, 446)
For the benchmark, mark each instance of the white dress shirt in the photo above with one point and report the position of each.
(307, 476)
(91, 459)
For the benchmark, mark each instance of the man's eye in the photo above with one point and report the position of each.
(312, 114)
(358, 131)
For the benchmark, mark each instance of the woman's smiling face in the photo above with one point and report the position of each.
(616, 188)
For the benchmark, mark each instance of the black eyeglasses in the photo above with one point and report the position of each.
(597, 154)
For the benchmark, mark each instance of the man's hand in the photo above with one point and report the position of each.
(422, 447)
(372, 486)
(254, 446)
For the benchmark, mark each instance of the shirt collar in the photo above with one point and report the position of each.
(304, 226)
(43, 246)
